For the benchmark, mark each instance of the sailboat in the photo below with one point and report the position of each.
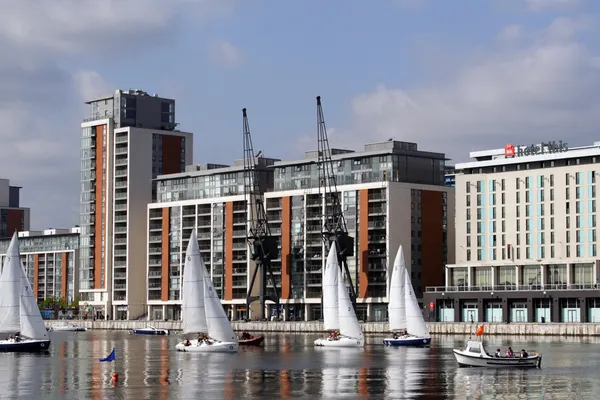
(403, 308)
(338, 313)
(19, 312)
(203, 313)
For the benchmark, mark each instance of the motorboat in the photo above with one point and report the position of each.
(19, 312)
(339, 317)
(67, 328)
(202, 312)
(406, 319)
(474, 354)
(150, 331)
(247, 339)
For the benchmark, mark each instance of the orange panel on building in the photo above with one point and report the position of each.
(14, 221)
(229, 250)
(363, 243)
(99, 215)
(165, 261)
(36, 273)
(286, 248)
(432, 239)
(65, 261)
(171, 154)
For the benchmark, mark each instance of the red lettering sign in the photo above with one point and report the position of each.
(431, 306)
(509, 150)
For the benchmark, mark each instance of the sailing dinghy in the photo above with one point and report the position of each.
(19, 312)
(203, 313)
(406, 318)
(338, 313)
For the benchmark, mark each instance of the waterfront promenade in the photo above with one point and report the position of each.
(436, 328)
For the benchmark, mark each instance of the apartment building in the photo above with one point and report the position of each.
(527, 244)
(129, 138)
(13, 217)
(51, 261)
(391, 193)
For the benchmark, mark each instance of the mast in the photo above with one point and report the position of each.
(263, 247)
(334, 224)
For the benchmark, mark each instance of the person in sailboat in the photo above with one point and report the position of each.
(498, 354)
(509, 352)
(187, 342)
(398, 335)
(203, 338)
(335, 335)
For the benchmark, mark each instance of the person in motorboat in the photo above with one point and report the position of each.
(335, 335)
(509, 352)
(187, 342)
(498, 355)
(524, 354)
(246, 336)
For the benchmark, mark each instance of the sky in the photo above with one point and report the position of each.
(452, 76)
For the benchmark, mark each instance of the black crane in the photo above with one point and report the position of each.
(334, 225)
(263, 247)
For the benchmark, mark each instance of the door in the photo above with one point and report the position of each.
(471, 315)
(520, 316)
(572, 316)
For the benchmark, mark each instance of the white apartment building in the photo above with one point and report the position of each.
(128, 140)
(526, 231)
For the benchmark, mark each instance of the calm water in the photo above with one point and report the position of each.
(287, 366)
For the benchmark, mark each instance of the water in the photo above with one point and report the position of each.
(288, 366)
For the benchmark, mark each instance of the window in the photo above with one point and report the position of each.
(551, 194)
(567, 178)
(578, 180)
(518, 183)
(468, 187)
(540, 181)
(468, 200)
(528, 182)
(551, 179)
(518, 197)
(528, 196)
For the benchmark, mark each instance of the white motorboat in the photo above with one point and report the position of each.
(474, 354)
(403, 308)
(19, 312)
(202, 311)
(151, 331)
(338, 313)
(68, 328)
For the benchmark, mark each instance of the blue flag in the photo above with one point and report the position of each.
(111, 357)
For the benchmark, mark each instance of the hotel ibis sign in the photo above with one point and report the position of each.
(511, 150)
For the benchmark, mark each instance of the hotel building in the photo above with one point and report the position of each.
(527, 240)
(51, 259)
(13, 217)
(391, 194)
(128, 139)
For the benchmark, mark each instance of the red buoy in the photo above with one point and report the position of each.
(115, 377)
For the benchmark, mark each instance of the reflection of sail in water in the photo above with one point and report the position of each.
(22, 381)
(341, 372)
(405, 369)
(201, 375)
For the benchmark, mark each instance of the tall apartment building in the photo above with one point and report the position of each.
(527, 240)
(391, 194)
(13, 217)
(51, 260)
(128, 139)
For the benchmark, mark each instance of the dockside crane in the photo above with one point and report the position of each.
(263, 247)
(334, 225)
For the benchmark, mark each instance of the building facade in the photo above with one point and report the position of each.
(526, 229)
(128, 140)
(13, 217)
(391, 194)
(51, 261)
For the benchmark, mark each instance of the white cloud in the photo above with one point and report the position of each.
(543, 5)
(41, 97)
(509, 33)
(548, 90)
(226, 54)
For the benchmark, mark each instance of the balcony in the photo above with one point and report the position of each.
(507, 288)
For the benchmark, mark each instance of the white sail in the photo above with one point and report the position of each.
(32, 324)
(349, 325)
(415, 324)
(331, 313)
(397, 303)
(193, 313)
(219, 327)
(10, 288)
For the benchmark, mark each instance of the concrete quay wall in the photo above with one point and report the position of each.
(436, 328)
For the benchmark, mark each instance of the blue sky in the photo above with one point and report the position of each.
(453, 76)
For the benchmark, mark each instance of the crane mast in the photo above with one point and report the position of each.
(334, 224)
(263, 247)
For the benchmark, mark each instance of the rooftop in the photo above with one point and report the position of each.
(133, 92)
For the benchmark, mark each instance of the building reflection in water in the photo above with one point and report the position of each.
(342, 373)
